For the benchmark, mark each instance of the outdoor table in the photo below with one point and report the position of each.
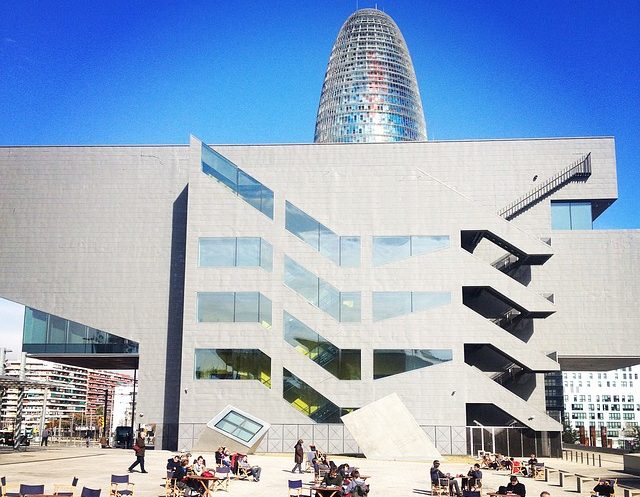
(328, 491)
(206, 482)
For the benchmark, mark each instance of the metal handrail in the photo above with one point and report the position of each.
(580, 169)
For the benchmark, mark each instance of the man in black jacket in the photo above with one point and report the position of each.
(439, 478)
(514, 487)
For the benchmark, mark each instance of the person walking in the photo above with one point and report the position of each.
(139, 449)
(45, 437)
(298, 456)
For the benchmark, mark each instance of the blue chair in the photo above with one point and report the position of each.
(223, 473)
(90, 492)
(296, 486)
(121, 486)
(66, 490)
(31, 489)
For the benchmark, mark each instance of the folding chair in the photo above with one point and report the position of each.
(538, 471)
(295, 486)
(322, 472)
(31, 489)
(440, 488)
(309, 465)
(90, 492)
(223, 473)
(516, 469)
(66, 490)
(121, 486)
(8, 490)
(243, 473)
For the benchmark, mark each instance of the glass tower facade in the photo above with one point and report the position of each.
(370, 92)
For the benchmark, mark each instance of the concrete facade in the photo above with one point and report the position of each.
(107, 237)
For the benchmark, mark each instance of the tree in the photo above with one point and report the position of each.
(569, 434)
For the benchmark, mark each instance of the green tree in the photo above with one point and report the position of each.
(569, 435)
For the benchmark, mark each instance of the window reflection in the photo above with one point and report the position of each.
(342, 250)
(245, 186)
(344, 364)
(308, 401)
(235, 252)
(571, 215)
(391, 304)
(387, 362)
(234, 307)
(233, 364)
(342, 306)
(395, 248)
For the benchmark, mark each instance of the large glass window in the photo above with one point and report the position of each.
(571, 215)
(395, 248)
(233, 364)
(391, 304)
(342, 306)
(235, 252)
(308, 401)
(342, 250)
(48, 333)
(234, 307)
(387, 362)
(344, 364)
(242, 184)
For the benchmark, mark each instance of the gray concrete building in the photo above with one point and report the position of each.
(300, 282)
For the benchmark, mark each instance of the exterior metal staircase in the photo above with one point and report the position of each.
(581, 169)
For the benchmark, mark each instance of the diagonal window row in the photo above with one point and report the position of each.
(342, 306)
(242, 184)
(344, 364)
(342, 250)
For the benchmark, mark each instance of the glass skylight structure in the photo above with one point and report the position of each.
(370, 92)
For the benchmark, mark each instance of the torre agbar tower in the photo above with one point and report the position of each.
(370, 92)
(300, 282)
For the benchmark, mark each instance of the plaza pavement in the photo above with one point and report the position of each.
(94, 467)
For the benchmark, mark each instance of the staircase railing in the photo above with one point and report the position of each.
(578, 170)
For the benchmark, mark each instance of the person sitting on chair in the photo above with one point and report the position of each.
(356, 485)
(604, 488)
(251, 470)
(437, 475)
(514, 487)
(332, 478)
(475, 476)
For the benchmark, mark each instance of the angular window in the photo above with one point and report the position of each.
(387, 362)
(44, 333)
(344, 364)
(571, 215)
(235, 252)
(342, 250)
(342, 306)
(395, 248)
(242, 184)
(239, 426)
(233, 364)
(234, 307)
(308, 401)
(391, 304)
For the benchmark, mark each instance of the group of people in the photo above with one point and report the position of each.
(439, 478)
(349, 479)
(498, 461)
(182, 469)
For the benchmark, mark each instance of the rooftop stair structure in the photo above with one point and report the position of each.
(579, 170)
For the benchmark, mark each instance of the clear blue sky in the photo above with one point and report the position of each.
(113, 72)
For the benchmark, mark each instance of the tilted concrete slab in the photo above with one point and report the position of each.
(386, 430)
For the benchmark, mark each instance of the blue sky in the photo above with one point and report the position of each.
(114, 72)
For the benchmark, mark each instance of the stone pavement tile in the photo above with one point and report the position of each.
(94, 468)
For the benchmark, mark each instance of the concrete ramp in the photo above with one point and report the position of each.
(386, 430)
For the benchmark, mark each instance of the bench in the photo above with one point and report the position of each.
(582, 480)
